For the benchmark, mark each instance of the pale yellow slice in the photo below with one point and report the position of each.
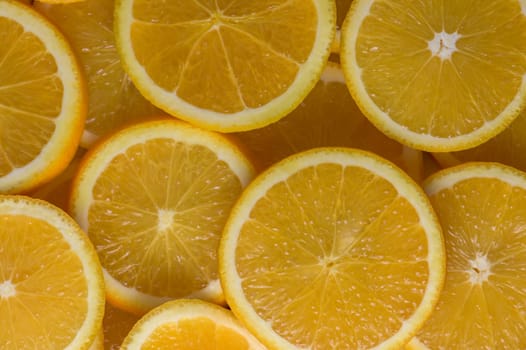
(332, 248)
(51, 284)
(508, 147)
(153, 198)
(42, 99)
(113, 99)
(327, 117)
(437, 75)
(225, 65)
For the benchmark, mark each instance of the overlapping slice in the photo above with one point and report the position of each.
(332, 248)
(508, 147)
(190, 324)
(327, 117)
(42, 99)
(51, 284)
(437, 75)
(482, 209)
(225, 65)
(153, 198)
(113, 99)
(117, 324)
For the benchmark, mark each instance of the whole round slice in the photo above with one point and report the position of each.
(51, 283)
(327, 117)
(508, 147)
(113, 99)
(225, 65)
(190, 324)
(482, 209)
(437, 75)
(332, 248)
(42, 99)
(154, 198)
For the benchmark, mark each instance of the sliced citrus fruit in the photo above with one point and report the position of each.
(190, 324)
(117, 324)
(153, 198)
(508, 147)
(437, 75)
(332, 248)
(482, 209)
(51, 284)
(113, 99)
(42, 99)
(327, 117)
(225, 65)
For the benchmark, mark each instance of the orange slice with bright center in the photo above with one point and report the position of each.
(332, 248)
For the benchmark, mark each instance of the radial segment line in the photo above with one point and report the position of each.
(262, 43)
(232, 74)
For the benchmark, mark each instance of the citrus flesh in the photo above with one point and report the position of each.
(113, 100)
(154, 198)
(332, 248)
(439, 76)
(42, 99)
(508, 147)
(117, 324)
(327, 117)
(51, 284)
(481, 209)
(225, 65)
(190, 324)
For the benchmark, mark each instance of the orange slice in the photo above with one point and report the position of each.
(332, 248)
(224, 65)
(508, 147)
(327, 117)
(438, 76)
(51, 284)
(113, 99)
(42, 99)
(153, 198)
(482, 209)
(190, 324)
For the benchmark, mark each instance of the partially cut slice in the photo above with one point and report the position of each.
(332, 248)
(437, 75)
(327, 117)
(508, 147)
(190, 324)
(51, 284)
(153, 198)
(42, 99)
(482, 209)
(113, 100)
(225, 65)
(117, 324)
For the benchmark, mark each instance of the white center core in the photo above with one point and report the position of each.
(166, 218)
(7, 289)
(480, 269)
(443, 44)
